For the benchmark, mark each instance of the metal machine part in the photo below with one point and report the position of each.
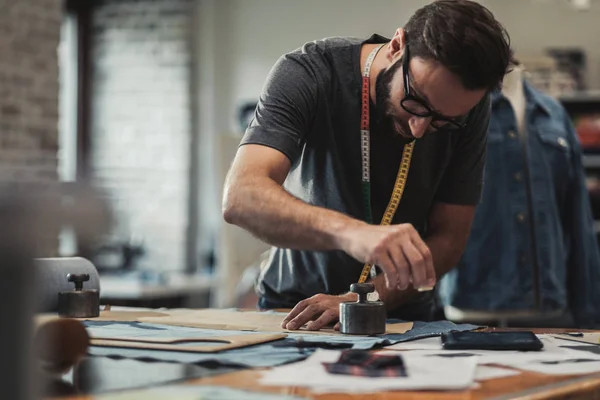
(79, 303)
(362, 317)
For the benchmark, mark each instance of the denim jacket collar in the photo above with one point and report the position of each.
(534, 98)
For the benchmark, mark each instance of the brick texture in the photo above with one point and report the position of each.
(29, 38)
(141, 122)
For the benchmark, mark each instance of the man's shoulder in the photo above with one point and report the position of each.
(324, 58)
(329, 44)
(325, 51)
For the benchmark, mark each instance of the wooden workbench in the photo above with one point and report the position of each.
(526, 385)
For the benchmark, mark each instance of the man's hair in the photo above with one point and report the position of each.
(464, 37)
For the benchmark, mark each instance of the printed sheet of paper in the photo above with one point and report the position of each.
(424, 373)
(573, 366)
(553, 353)
(485, 372)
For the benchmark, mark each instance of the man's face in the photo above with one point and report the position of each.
(432, 88)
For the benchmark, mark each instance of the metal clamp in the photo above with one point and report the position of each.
(79, 303)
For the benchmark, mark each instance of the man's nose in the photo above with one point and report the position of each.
(419, 125)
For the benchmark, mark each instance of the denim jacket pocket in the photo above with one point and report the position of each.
(556, 152)
(552, 135)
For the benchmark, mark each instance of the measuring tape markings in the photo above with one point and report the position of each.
(402, 175)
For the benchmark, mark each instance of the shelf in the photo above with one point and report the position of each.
(591, 161)
(581, 97)
(133, 288)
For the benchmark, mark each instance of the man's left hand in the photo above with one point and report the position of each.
(318, 311)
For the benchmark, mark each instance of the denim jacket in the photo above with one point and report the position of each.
(495, 272)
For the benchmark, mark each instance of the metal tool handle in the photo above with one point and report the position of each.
(78, 279)
(362, 289)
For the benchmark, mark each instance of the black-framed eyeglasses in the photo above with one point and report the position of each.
(419, 107)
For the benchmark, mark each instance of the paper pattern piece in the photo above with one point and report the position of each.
(189, 344)
(131, 316)
(228, 319)
(190, 392)
(424, 373)
(264, 355)
(135, 329)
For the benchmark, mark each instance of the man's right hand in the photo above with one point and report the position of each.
(397, 249)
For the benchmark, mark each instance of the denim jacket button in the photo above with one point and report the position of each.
(520, 217)
(518, 176)
(512, 134)
(562, 142)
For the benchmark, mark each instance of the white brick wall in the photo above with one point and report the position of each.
(29, 37)
(141, 121)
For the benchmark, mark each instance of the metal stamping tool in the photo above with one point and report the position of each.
(79, 303)
(362, 317)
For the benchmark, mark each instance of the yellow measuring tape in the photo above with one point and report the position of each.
(397, 193)
(366, 157)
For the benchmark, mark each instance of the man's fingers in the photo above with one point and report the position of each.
(327, 317)
(430, 275)
(389, 268)
(295, 311)
(417, 264)
(337, 326)
(402, 267)
(308, 314)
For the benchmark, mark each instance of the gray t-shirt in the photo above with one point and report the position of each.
(309, 110)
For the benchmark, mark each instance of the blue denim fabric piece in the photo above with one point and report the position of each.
(423, 330)
(263, 355)
(495, 272)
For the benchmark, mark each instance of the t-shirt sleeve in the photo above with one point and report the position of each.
(462, 182)
(286, 107)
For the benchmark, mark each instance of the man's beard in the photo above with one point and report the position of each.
(383, 114)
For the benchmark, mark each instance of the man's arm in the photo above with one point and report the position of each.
(450, 225)
(255, 200)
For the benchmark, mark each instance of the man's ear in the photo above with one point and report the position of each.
(395, 47)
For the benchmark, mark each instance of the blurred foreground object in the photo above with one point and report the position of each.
(32, 215)
(59, 343)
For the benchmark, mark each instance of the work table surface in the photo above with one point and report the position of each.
(526, 385)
